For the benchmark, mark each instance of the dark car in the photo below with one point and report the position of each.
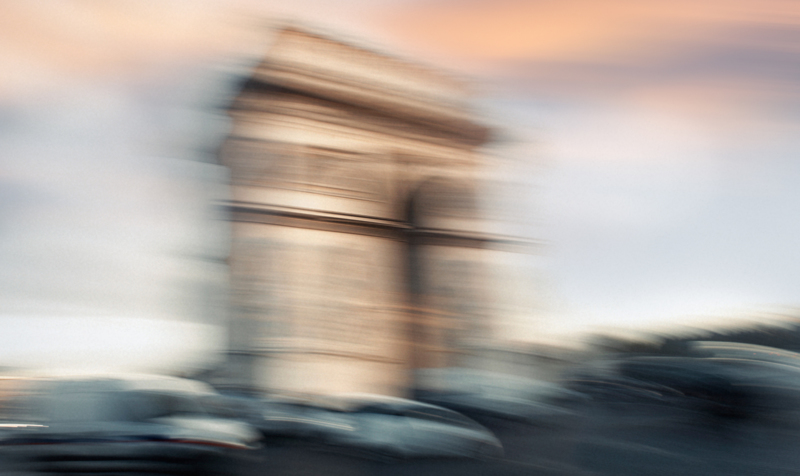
(604, 383)
(303, 419)
(698, 384)
(401, 428)
(376, 426)
(716, 379)
(482, 394)
(767, 389)
(736, 350)
(281, 417)
(120, 425)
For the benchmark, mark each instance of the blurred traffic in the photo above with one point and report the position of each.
(713, 393)
(126, 424)
(232, 243)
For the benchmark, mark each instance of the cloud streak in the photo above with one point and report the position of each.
(620, 47)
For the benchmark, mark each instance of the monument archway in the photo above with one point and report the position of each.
(356, 170)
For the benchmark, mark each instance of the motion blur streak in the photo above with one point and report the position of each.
(475, 237)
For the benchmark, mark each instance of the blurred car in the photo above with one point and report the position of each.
(122, 425)
(736, 350)
(615, 388)
(299, 418)
(477, 393)
(718, 379)
(393, 427)
(695, 383)
(236, 407)
(645, 382)
(766, 389)
(281, 417)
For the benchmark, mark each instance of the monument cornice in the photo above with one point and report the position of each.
(282, 103)
(244, 212)
(425, 112)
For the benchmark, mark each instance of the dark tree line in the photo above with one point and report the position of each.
(786, 336)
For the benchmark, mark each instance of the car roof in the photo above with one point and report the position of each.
(745, 351)
(134, 382)
(356, 401)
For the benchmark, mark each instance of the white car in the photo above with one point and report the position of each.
(121, 425)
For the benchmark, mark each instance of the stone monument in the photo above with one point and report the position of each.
(357, 240)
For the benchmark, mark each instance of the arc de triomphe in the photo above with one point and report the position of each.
(357, 240)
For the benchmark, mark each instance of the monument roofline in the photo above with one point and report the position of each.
(308, 62)
(255, 97)
(452, 80)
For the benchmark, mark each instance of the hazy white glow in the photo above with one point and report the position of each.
(107, 344)
(665, 140)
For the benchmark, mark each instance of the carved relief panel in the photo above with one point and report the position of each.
(454, 293)
(260, 291)
(305, 168)
(309, 298)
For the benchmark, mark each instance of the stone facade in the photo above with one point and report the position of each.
(357, 240)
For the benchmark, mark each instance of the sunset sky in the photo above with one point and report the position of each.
(651, 145)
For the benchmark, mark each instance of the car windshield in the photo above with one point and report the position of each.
(85, 404)
(150, 405)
